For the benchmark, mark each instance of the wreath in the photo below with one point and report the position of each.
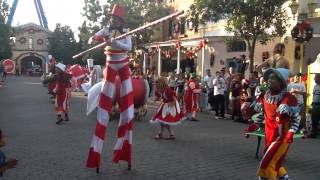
(40, 41)
(22, 40)
(302, 32)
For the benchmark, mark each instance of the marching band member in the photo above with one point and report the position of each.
(63, 93)
(191, 97)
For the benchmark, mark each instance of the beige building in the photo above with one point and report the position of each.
(30, 47)
(299, 10)
(217, 53)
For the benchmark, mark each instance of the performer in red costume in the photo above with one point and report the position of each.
(281, 114)
(117, 63)
(63, 92)
(191, 97)
(169, 112)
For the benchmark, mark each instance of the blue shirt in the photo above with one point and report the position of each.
(2, 158)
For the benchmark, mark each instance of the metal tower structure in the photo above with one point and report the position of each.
(41, 15)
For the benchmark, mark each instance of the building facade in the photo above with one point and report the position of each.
(30, 47)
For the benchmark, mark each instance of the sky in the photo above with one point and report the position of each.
(66, 12)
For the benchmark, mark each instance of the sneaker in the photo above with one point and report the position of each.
(171, 137)
(194, 119)
(59, 120)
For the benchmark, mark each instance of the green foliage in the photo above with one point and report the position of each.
(251, 20)
(4, 11)
(5, 49)
(5, 31)
(63, 44)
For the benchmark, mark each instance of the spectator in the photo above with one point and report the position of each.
(253, 83)
(298, 89)
(315, 111)
(180, 89)
(150, 78)
(208, 83)
(5, 164)
(235, 89)
(219, 90)
(172, 83)
(246, 99)
(1, 71)
(227, 79)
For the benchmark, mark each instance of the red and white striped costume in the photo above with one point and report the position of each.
(169, 111)
(191, 96)
(116, 64)
(63, 93)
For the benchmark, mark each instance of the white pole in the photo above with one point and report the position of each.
(178, 61)
(202, 63)
(144, 63)
(159, 62)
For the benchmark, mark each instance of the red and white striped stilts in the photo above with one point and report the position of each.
(122, 149)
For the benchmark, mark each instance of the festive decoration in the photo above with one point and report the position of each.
(203, 43)
(40, 41)
(22, 40)
(302, 32)
(178, 45)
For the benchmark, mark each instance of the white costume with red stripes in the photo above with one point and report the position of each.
(169, 111)
(116, 64)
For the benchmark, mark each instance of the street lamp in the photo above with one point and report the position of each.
(294, 7)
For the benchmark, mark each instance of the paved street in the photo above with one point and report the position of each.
(210, 149)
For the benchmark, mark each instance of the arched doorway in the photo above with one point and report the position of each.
(30, 64)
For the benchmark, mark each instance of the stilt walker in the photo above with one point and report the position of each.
(169, 112)
(117, 63)
(63, 93)
(191, 97)
(281, 114)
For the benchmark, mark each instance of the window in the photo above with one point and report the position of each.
(237, 46)
(30, 43)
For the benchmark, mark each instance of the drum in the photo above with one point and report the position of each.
(140, 91)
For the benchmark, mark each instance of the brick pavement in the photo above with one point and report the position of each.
(210, 149)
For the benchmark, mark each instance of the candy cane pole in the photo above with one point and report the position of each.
(131, 32)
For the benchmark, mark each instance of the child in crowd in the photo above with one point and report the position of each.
(5, 164)
(169, 112)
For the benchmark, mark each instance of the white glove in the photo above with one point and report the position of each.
(91, 40)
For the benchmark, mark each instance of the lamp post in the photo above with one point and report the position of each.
(294, 7)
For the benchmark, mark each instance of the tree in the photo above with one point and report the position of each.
(63, 44)
(4, 11)
(5, 32)
(250, 20)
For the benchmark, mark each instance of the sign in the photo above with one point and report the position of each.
(9, 66)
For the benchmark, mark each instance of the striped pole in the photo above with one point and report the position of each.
(131, 32)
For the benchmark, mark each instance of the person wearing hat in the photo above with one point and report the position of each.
(191, 97)
(281, 114)
(117, 64)
(63, 92)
